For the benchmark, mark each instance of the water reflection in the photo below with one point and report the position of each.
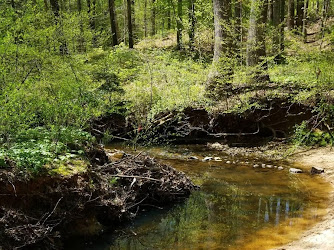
(207, 220)
(233, 204)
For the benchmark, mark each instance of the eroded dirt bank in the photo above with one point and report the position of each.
(38, 213)
(321, 236)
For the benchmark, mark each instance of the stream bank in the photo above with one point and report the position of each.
(40, 212)
(321, 236)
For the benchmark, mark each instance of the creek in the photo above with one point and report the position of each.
(237, 207)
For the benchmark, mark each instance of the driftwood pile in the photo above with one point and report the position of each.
(41, 212)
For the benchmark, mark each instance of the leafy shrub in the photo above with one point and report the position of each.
(314, 137)
(34, 148)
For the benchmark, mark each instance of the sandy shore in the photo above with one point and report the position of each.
(321, 236)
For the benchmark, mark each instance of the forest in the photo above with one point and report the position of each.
(77, 76)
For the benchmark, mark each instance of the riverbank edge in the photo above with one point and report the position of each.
(321, 235)
(42, 211)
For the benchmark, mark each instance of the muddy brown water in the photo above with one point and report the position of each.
(237, 207)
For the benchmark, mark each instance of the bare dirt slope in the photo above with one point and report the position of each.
(321, 236)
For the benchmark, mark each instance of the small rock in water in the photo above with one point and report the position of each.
(317, 170)
(295, 170)
(275, 166)
(263, 165)
(256, 165)
(217, 159)
(269, 166)
(280, 168)
(193, 158)
(207, 158)
(228, 162)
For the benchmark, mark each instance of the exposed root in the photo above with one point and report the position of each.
(41, 211)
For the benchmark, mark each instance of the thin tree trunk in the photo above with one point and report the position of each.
(192, 22)
(113, 22)
(291, 15)
(153, 14)
(276, 24)
(145, 18)
(169, 19)
(305, 17)
(129, 4)
(252, 57)
(271, 11)
(237, 27)
(299, 17)
(282, 25)
(221, 73)
(55, 7)
(221, 10)
(179, 25)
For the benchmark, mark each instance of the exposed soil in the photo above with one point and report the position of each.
(38, 213)
(321, 236)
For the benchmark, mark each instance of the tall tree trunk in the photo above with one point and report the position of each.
(305, 17)
(179, 25)
(299, 17)
(256, 48)
(276, 24)
(129, 4)
(145, 18)
(153, 14)
(282, 25)
(192, 22)
(221, 10)
(169, 19)
(270, 15)
(291, 15)
(238, 27)
(55, 7)
(113, 22)
(221, 74)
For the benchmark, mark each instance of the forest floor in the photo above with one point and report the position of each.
(321, 236)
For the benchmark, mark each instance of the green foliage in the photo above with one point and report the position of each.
(311, 137)
(32, 149)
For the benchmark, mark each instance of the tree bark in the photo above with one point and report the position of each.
(192, 22)
(221, 9)
(271, 11)
(291, 15)
(129, 4)
(169, 18)
(282, 25)
(153, 14)
(256, 48)
(113, 22)
(55, 7)
(179, 25)
(299, 17)
(238, 27)
(145, 18)
(276, 24)
(305, 17)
